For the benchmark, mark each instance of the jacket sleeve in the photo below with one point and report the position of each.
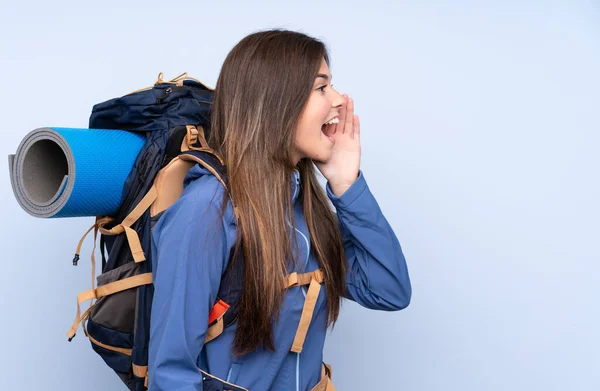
(190, 254)
(377, 275)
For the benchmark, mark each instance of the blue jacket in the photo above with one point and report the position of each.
(190, 249)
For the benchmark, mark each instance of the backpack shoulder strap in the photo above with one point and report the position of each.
(225, 310)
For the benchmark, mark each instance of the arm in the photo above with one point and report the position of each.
(189, 260)
(377, 273)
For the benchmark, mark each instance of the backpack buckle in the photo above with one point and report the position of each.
(192, 135)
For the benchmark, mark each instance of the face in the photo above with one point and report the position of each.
(323, 106)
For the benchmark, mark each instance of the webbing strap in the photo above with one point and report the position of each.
(216, 314)
(78, 250)
(295, 279)
(105, 290)
(204, 143)
(177, 81)
(307, 313)
(192, 158)
(315, 279)
(139, 370)
(195, 134)
(325, 384)
(132, 237)
(215, 330)
(99, 220)
(109, 347)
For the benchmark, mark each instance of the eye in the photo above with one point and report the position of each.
(322, 88)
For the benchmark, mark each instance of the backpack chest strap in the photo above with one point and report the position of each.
(314, 280)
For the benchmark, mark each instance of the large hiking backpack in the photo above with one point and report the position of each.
(173, 116)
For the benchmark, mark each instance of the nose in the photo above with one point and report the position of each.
(338, 100)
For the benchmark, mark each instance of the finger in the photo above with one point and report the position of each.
(356, 133)
(349, 117)
(342, 116)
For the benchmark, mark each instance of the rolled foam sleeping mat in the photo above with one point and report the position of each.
(70, 172)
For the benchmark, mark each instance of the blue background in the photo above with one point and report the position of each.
(480, 130)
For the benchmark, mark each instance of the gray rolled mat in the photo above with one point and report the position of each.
(68, 172)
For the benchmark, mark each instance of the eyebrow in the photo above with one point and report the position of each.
(324, 76)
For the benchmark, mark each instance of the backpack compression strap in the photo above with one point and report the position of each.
(132, 237)
(105, 290)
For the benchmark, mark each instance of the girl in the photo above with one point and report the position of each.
(275, 113)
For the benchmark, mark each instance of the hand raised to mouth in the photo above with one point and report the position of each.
(341, 170)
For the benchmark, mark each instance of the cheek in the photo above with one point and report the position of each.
(309, 138)
(307, 134)
(312, 119)
(318, 109)
(324, 109)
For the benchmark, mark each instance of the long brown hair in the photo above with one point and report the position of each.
(263, 87)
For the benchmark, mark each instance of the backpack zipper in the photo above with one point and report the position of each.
(166, 93)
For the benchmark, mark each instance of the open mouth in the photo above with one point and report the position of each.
(327, 128)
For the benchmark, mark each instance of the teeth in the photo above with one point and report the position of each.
(332, 121)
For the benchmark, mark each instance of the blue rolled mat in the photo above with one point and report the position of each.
(69, 172)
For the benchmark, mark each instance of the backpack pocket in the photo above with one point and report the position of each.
(111, 324)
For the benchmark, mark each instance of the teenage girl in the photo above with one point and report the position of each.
(275, 116)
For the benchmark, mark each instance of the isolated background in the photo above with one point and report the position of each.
(480, 128)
